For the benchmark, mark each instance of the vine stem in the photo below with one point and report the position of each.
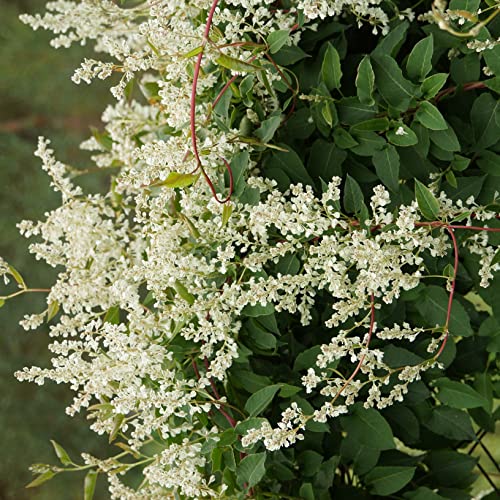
(367, 344)
(231, 421)
(452, 291)
(194, 91)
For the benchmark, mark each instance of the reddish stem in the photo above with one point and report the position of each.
(465, 88)
(194, 140)
(362, 359)
(452, 291)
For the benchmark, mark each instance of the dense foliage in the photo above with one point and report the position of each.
(289, 290)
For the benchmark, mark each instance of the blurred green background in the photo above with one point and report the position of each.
(37, 97)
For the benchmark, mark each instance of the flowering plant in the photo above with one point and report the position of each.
(289, 289)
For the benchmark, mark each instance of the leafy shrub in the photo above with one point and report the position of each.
(289, 289)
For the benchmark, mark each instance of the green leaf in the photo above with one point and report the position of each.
(89, 485)
(227, 210)
(112, 315)
(365, 82)
(369, 427)
(385, 481)
(465, 69)
(446, 139)
(430, 117)
(493, 84)
(239, 167)
(184, 293)
(449, 468)
(331, 71)
(419, 62)
(325, 160)
(375, 124)
(17, 276)
(396, 90)
(61, 453)
(353, 196)
(251, 469)
(363, 458)
(492, 59)
(42, 478)
(268, 128)
(307, 358)
(391, 43)
(433, 84)
(423, 493)
(194, 52)
(117, 424)
(288, 264)
(402, 138)
(260, 400)
(290, 163)
(289, 55)
(307, 492)
(2, 302)
(258, 310)
(489, 162)
(343, 139)
(277, 39)
(434, 307)
(386, 163)
(459, 395)
(52, 310)
(177, 180)
(485, 118)
(250, 423)
(427, 202)
(235, 64)
(451, 423)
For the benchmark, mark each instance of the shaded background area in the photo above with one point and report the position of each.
(37, 97)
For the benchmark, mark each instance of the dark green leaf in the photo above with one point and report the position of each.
(451, 423)
(492, 59)
(433, 84)
(446, 139)
(430, 117)
(331, 70)
(434, 308)
(402, 136)
(369, 428)
(392, 85)
(353, 196)
(258, 310)
(459, 394)
(261, 399)
(419, 62)
(251, 469)
(448, 467)
(427, 202)
(385, 481)
(485, 117)
(489, 162)
(290, 164)
(365, 82)
(386, 163)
